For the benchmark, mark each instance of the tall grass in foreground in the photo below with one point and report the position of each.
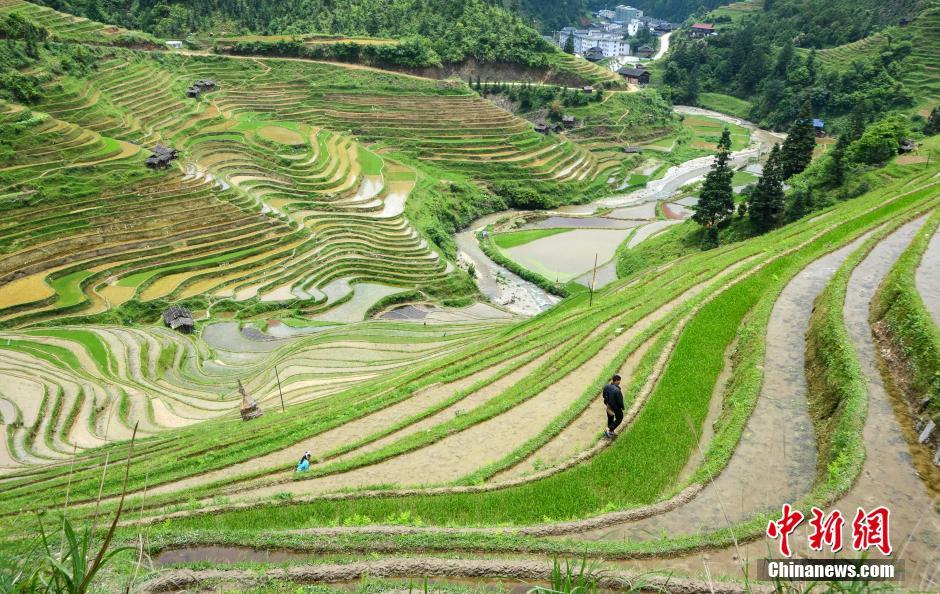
(70, 567)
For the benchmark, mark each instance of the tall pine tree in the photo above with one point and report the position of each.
(716, 200)
(766, 204)
(797, 151)
(569, 45)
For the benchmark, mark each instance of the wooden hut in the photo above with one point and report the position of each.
(161, 157)
(179, 318)
(637, 76)
(249, 408)
(595, 54)
(568, 121)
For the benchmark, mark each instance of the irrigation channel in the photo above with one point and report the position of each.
(597, 228)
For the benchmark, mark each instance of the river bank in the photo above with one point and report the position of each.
(634, 212)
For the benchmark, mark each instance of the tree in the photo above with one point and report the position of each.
(716, 200)
(835, 166)
(879, 142)
(797, 151)
(933, 122)
(569, 45)
(766, 203)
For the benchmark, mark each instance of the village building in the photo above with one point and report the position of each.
(610, 44)
(161, 157)
(568, 121)
(179, 318)
(907, 145)
(541, 128)
(637, 76)
(587, 89)
(595, 54)
(625, 14)
(199, 87)
(645, 51)
(819, 126)
(633, 150)
(702, 30)
(174, 44)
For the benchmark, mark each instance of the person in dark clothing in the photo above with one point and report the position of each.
(613, 399)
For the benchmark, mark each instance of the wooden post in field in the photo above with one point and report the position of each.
(278, 376)
(593, 281)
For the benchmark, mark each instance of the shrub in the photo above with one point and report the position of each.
(879, 142)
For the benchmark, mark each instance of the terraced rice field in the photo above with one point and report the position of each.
(755, 374)
(66, 27)
(508, 414)
(919, 71)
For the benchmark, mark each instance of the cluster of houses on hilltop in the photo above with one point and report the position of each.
(199, 87)
(605, 38)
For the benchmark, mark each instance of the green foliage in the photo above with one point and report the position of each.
(15, 26)
(754, 59)
(766, 204)
(716, 200)
(432, 31)
(569, 45)
(412, 52)
(797, 151)
(879, 142)
(933, 122)
(910, 327)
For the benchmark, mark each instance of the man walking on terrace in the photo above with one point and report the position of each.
(613, 399)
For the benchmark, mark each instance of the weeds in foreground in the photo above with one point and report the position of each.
(574, 579)
(71, 568)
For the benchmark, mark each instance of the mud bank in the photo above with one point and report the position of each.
(523, 571)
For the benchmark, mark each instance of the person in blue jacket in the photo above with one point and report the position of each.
(304, 464)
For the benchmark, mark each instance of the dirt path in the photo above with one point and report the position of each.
(928, 278)
(522, 571)
(775, 460)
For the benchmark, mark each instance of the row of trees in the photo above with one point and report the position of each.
(531, 97)
(454, 29)
(765, 204)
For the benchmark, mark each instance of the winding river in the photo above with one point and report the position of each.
(519, 296)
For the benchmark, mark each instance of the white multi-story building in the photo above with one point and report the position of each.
(625, 14)
(612, 44)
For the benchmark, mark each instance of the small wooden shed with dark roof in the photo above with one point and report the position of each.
(179, 318)
(161, 157)
(637, 76)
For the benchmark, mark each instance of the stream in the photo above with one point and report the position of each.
(632, 209)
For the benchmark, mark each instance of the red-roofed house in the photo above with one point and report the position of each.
(702, 29)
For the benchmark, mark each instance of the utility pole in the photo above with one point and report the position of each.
(278, 376)
(593, 281)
